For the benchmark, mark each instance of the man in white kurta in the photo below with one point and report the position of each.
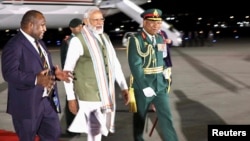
(95, 116)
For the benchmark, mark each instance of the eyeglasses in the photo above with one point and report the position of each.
(98, 20)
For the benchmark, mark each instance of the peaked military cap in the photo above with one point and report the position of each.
(75, 22)
(152, 14)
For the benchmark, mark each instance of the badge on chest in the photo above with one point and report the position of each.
(161, 47)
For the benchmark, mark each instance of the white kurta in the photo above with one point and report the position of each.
(80, 123)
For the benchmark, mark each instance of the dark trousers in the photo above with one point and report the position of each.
(163, 114)
(46, 124)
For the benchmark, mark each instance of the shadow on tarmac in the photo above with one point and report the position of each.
(194, 122)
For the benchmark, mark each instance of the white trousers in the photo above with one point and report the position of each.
(90, 120)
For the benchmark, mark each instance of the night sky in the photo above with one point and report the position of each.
(211, 11)
(212, 8)
(201, 7)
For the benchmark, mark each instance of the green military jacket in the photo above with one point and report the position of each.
(146, 62)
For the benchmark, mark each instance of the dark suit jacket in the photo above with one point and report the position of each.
(20, 64)
(168, 60)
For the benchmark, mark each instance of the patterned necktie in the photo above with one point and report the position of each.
(153, 40)
(45, 65)
(50, 92)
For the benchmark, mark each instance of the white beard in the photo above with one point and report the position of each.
(94, 30)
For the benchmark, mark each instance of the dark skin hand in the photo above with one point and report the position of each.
(73, 106)
(125, 95)
(48, 81)
(63, 75)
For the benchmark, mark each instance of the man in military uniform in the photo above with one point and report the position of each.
(75, 26)
(145, 57)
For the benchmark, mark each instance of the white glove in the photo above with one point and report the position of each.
(167, 73)
(149, 92)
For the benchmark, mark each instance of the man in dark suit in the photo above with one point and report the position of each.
(75, 26)
(167, 58)
(145, 58)
(27, 67)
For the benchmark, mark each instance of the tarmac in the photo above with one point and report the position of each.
(211, 86)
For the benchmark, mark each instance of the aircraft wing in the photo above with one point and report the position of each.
(59, 12)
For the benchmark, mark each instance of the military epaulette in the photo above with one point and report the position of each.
(148, 52)
(144, 37)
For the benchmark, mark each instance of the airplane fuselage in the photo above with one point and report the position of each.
(59, 12)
